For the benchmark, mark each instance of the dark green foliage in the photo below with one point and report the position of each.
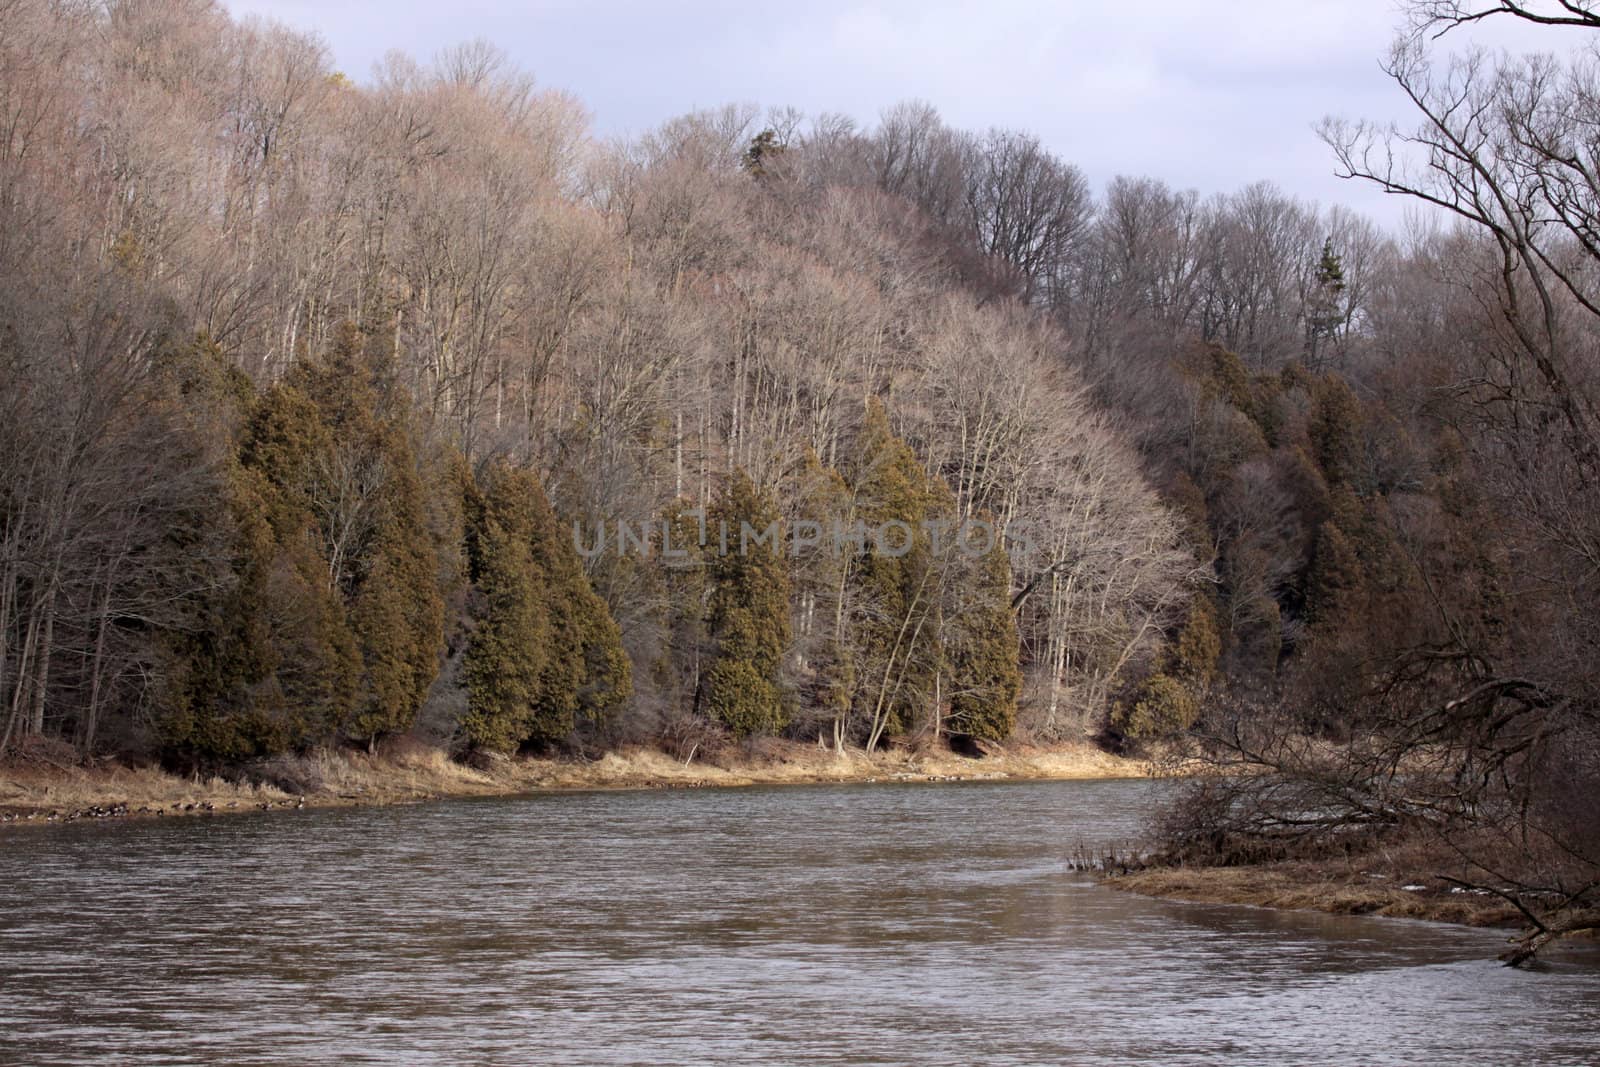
(274, 664)
(1330, 269)
(1162, 706)
(1334, 578)
(684, 590)
(1270, 401)
(1232, 380)
(1190, 503)
(1335, 430)
(764, 148)
(982, 641)
(1225, 420)
(396, 607)
(1194, 654)
(334, 622)
(1325, 305)
(897, 593)
(749, 611)
(587, 676)
(1298, 474)
(1257, 636)
(545, 655)
(509, 649)
(339, 447)
(1169, 701)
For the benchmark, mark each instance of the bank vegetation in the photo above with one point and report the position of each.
(307, 384)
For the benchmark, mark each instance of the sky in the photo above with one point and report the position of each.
(1204, 95)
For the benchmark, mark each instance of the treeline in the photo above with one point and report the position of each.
(1438, 632)
(299, 377)
(317, 398)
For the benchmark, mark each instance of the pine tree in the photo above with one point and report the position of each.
(357, 473)
(749, 611)
(1335, 577)
(587, 676)
(1334, 428)
(764, 148)
(1324, 303)
(985, 677)
(897, 593)
(275, 666)
(507, 653)
(550, 658)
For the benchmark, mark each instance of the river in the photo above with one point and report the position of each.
(872, 924)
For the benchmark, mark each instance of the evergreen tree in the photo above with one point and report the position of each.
(1335, 577)
(546, 656)
(587, 676)
(983, 642)
(1194, 654)
(896, 584)
(397, 609)
(508, 650)
(749, 611)
(340, 447)
(764, 148)
(683, 590)
(1169, 701)
(1161, 706)
(1324, 304)
(274, 665)
(1334, 428)
(1231, 380)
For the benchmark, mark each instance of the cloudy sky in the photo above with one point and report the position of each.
(1206, 95)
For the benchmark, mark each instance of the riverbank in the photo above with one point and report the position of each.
(39, 791)
(1405, 884)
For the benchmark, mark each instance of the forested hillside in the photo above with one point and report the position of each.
(331, 411)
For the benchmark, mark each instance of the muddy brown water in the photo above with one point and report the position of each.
(865, 924)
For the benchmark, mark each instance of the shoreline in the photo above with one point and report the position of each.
(39, 793)
(1359, 885)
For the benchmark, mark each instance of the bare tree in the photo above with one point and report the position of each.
(1026, 207)
(1437, 17)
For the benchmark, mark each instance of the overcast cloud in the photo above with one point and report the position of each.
(1204, 95)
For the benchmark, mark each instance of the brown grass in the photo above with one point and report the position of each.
(35, 790)
(40, 791)
(1407, 883)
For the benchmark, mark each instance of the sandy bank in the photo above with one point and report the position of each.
(41, 792)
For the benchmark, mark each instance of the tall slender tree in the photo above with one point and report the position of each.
(749, 611)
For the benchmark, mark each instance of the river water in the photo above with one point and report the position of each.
(907, 924)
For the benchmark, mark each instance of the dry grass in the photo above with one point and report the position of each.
(46, 792)
(1403, 883)
(404, 771)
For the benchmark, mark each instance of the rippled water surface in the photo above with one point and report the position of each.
(926, 924)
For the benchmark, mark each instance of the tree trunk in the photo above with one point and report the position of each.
(46, 652)
(97, 671)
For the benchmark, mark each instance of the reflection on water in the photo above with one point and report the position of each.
(930, 924)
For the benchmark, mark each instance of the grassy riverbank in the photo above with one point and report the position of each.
(39, 790)
(1408, 883)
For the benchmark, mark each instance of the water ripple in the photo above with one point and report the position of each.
(935, 924)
